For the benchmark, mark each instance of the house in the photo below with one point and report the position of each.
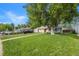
(75, 24)
(67, 27)
(63, 27)
(42, 29)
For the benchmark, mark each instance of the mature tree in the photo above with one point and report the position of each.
(50, 14)
(4, 27)
(54, 12)
(70, 11)
(19, 26)
(61, 13)
(37, 14)
(13, 26)
(8, 27)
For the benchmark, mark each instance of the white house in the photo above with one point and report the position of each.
(75, 24)
(36, 30)
(42, 29)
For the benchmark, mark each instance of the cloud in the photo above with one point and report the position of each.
(16, 19)
(21, 17)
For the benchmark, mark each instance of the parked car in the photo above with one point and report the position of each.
(27, 31)
(1, 32)
(17, 31)
(8, 32)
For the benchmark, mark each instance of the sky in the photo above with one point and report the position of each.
(13, 13)
(78, 8)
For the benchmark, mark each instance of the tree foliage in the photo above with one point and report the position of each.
(50, 14)
(37, 14)
(4, 27)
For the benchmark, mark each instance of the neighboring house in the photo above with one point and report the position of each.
(58, 28)
(63, 27)
(72, 26)
(67, 27)
(75, 24)
(42, 29)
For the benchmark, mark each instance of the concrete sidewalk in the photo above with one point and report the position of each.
(19, 37)
(1, 48)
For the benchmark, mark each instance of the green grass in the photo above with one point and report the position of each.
(42, 45)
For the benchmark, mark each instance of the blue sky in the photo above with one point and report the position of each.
(78, 8)
(13, 13)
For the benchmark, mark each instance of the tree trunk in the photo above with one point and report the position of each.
(61, 31)
(52, 31)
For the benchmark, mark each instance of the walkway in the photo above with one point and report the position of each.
(1, 49)
(20, 37)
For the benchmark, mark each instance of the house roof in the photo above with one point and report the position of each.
(42, 27)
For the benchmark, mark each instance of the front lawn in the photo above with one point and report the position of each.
(42, 45)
